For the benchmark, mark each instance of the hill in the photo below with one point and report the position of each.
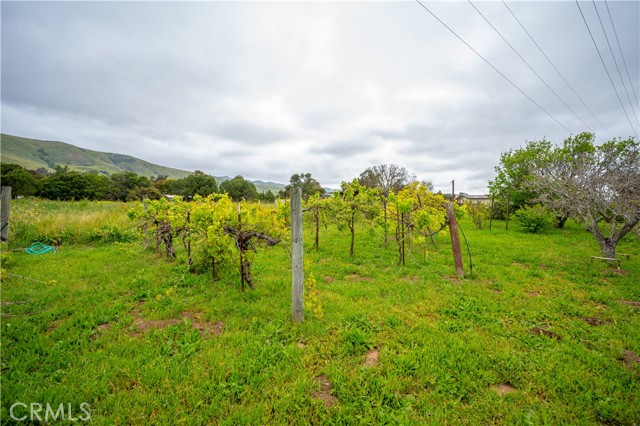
(34, 154)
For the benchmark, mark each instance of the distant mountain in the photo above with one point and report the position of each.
(34, 154)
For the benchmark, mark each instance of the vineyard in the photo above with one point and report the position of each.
(140, 314)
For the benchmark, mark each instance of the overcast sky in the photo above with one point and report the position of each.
(268, 89)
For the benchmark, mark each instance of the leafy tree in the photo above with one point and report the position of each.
(511, 188)
(599, 185)
(309, 186)
(387, 179)
(415, 212)
(124, 182)
(239, 189)
(267, 197)
(354, 201)
(197, 183)
(514, 172)
(318, 207)
(19, 179)
(67, 185)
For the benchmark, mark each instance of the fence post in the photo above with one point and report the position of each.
(455, 240)
(297, 273)
(4, 212)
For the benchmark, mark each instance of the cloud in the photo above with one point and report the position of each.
(270, 89)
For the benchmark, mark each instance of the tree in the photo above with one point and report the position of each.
(267, 197)
(511, 188)
(600, 185)
(197, 183)
(19, 179)
(354, 200)
(124, 182)
(309, 186)
(387, 178)
(239, 189)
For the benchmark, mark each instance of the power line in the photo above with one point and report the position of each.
(492, 66)
(530, 67)
(605, 67)
(621, 54)
(556, 69)
(615, 62)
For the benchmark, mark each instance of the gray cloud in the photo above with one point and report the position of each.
(270, 89)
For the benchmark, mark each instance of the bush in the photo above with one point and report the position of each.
(534, 219)
(478, 213)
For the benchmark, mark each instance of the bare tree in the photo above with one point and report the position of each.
(600, 185)
(387, 178)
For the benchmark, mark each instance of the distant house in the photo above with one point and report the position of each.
(463, 198)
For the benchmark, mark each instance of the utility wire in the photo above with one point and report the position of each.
(556, 69)
(616, 63)
(528, 65)
(621, 54)
(605, 67)
(492, 66)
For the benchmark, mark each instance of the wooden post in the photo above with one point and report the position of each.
(239, 244)
(144, 226)
(506, 228)
(455, 240)
(491, 214)
(4, 213)
(453, 191)
(297, 272)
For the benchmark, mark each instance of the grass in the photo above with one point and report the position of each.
(447, 348)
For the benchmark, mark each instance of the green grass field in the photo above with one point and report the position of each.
(537, 335)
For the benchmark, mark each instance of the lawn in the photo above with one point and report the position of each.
(536, 335)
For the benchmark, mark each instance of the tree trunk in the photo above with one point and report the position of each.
(560, 221)
(386, 235)
(608, 248)
(317, 243)
(352, 226)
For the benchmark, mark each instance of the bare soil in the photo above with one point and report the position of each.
(372, 359)
(633, 303)
(324, 394)
(631, 360)
(204, 327)
(542, 332)
(503, 389)
(593, 321)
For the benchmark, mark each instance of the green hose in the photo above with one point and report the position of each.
(39, 248)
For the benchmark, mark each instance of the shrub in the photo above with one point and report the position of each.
(534, 219)
(478, 212)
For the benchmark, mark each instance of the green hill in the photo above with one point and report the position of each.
(34, 154)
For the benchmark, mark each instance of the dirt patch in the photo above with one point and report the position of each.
(356, 277)
(521, 265)
(99, 329)
(452, 279)
(630, 303)
(373, 359)
(204, 327)
(593, 321)
(324, 394)
(542, 332)
(503, 389)
(328, 278)
(631, 360)
(533, 293)
(615, 271)
(300, 345)
(54, 325)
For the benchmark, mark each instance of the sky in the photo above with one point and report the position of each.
(269, 89)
